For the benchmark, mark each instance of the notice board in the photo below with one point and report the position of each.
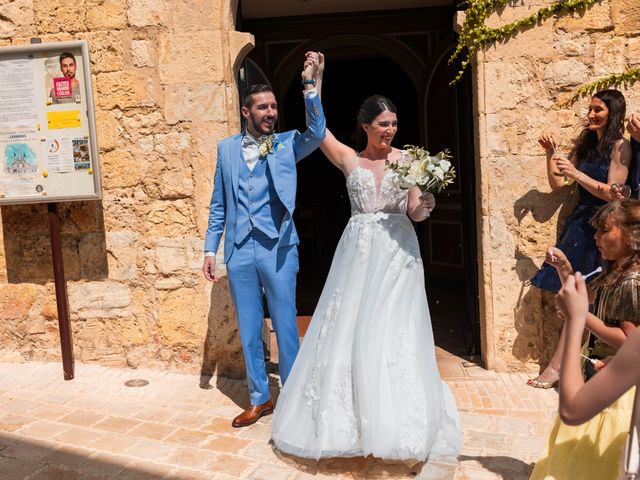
(48, 144)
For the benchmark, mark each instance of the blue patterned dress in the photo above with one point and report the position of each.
(576, 239)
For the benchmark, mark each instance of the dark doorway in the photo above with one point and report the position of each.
(401, 54)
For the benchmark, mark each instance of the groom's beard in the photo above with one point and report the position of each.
(263, 125)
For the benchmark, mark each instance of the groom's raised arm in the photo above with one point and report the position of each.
(311, 138)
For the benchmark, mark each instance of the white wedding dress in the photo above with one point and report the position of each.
(365, 381)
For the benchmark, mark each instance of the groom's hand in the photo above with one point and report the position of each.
(209, 269)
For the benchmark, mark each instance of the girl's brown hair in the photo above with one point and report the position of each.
(624, 213)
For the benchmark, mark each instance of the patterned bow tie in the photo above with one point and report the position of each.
(249, 141)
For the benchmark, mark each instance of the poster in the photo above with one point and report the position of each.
(21, 162)
(18, 99)
(48, 145)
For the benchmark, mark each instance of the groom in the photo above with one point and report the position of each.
(253, 200)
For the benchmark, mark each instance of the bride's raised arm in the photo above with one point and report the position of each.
(338, 153)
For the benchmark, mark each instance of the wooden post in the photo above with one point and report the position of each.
(62, 300)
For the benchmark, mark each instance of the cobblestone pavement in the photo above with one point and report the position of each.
(178, 427)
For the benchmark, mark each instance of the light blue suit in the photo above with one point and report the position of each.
(255, 210)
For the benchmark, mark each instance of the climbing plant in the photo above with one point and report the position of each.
(476, 35)
(627, 78)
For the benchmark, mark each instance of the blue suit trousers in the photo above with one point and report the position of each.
(259, 263)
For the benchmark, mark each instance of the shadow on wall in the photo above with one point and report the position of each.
(27, 243)
(535, 319)
(222, 349)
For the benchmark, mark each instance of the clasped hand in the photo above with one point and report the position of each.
(427, 201)
(565, 167)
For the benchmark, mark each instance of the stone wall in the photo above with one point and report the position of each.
(520, 85)
(165, 93)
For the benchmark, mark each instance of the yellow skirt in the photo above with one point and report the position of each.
(592, 450)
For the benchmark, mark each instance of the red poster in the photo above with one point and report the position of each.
(62, 87)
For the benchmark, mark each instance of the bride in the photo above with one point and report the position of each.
(365, 381)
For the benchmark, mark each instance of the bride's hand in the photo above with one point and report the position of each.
(427, 201)
(320, 65)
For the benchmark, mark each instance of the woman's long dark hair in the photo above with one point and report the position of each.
(624, 213)
(586, 147)
(369, 110)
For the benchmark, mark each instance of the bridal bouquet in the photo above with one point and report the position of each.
(430, 173)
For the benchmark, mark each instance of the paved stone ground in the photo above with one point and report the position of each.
(178, 427)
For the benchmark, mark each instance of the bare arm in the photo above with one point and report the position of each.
(613, 336)
(548, 143)
(420, 205)
(580, 401)
(337, 152)
(618, 171)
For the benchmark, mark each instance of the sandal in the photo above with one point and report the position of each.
(537, 383)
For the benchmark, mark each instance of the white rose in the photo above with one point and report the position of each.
(263, 149)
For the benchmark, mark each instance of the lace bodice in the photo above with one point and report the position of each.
(366, 197)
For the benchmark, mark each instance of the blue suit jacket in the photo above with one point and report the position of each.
(290, 147)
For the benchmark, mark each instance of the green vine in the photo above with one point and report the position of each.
(628, 78)
(475, 34)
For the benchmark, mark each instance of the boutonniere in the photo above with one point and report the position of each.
(268, 144)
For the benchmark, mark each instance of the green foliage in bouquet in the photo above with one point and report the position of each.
(430, 173)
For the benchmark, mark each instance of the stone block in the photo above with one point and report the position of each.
(53, 16)
(633, 54)
(120, 169)
(143, 53)
(513, 83)
(626, 17)
(93, 256)
(222, 348)
(596, 18)
(609, 56)
(145, 13)
(144, 122)
(118, 89)
(106, 51)
(16, 19)
(16, 300)
(181, 316)
(108, 130)
(570, 44)
(195, 103)
(80, 217)
(194, 15)
(172, 144)
(171, 218)
(93, 300)
(174, 184)
(122, 254)
(124, 207)
(175, 255)
(566, 73)
(198, 53)
(106, 14)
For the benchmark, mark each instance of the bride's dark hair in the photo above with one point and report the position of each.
(369, 110)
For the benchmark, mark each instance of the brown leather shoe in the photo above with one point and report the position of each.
(252, 414)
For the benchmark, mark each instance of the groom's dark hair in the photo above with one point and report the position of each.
(247, 99)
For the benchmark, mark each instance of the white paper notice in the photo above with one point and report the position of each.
(60, 155)
(18, 102)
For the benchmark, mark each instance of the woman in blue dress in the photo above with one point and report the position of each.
(598, 163)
